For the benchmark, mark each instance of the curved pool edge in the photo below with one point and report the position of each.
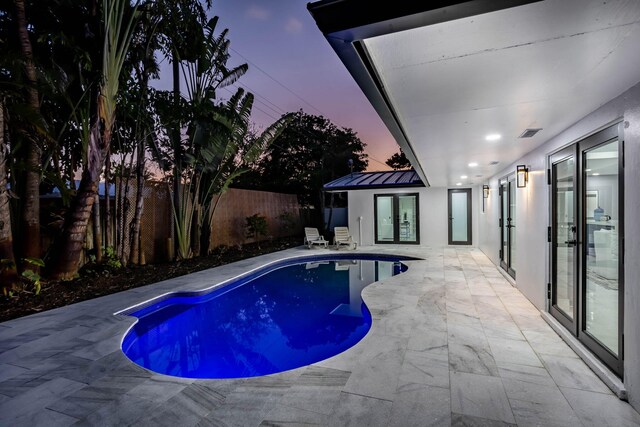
(263, 269)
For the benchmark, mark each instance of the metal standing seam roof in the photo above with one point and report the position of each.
(373, 180)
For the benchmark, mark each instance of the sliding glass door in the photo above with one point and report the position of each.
(586, 243)
(397, 218)
(508, 225)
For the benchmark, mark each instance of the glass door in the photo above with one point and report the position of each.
(587, 280)
(397, 218)
(564, 246)
(508, 225)
(459, 203)
(602, 282)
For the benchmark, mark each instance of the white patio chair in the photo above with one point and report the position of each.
(313, 237)
(342, 237)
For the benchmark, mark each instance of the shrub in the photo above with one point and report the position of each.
(256, 225)
(287, 221)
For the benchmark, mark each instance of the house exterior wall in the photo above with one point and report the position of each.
(433, 214)
(532, 209)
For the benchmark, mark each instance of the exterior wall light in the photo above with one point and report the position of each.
(522, 176)
(485, 191)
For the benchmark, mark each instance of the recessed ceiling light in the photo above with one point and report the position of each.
(493, 137)
(463, 176)
(588, 170)
(596, 174)
(473, 164)
(458, 183)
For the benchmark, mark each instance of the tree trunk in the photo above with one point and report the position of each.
(8, 274)
(177, 147)
(108, 231)
(97, 232)
(69, 244)
(134, 256)
(30, 236)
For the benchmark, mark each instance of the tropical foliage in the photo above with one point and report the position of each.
(77, 101)
(398, 161)
(310, 152)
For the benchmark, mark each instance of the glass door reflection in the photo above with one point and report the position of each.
(397, 218)
(602, 214)
(459, 203)
(564, 238)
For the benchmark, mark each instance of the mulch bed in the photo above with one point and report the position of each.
(98, 280)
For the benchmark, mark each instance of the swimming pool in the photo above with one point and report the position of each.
(284, 316)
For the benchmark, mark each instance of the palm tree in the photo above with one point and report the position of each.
(7, 259)
(31, 190)
(117, 22)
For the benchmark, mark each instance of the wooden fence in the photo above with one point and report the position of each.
(282, 212)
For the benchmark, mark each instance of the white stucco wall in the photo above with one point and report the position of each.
(532, 256)
(433, 214)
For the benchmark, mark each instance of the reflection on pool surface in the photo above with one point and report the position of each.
(270, 322)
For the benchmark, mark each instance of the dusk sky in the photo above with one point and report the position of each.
(292, 66)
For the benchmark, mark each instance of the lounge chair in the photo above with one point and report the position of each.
(342, 237)
(313, 237)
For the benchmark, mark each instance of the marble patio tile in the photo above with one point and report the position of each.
(457, 319)
(513, 352)
(526, 374)
(598, 409)
(461, 306)
(154, 389)
(316, 389)
(88, 371)
(25, 405)
(427, 339)
(244, 408)
(531, 322)
(480, 396)
(500, 328)
(473, 359)
(497, 314)
(429, 367)
(25, 381)
(421, 405)
(97, 350)
(91, 398)
(482, 290)
(378, 368)
(322, 400)
(44, 417)
(186, 407)
(573, 373)
(356, 410)
(535, 404)
(314, 376)
(467, 333)
(460, 420)
(399, 323)
(548, 342)
(10, 371)
(286, 416)
(127, 410)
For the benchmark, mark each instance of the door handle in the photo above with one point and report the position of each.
(571, 242)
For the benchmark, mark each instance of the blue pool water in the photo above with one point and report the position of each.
(280, 318)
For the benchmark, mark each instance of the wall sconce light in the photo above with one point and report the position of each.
(485, 191)
(522, 176)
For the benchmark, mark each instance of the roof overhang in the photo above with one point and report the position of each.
(443, 74)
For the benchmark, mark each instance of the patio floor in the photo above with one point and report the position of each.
(452, 343)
